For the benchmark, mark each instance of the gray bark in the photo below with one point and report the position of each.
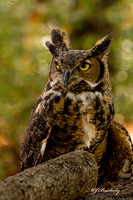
(66, 177)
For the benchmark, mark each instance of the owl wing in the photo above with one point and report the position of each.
(120, 136)
(119, 151)
(36, 136)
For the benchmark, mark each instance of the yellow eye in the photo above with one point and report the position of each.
(58, 67)
(85, 66)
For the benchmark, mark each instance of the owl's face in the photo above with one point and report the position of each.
(71, 67)
(75, 66)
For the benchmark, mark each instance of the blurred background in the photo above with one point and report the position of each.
(24, 59)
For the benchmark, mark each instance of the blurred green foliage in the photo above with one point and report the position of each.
(24, 60)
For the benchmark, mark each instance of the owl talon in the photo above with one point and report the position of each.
(126, 167)
(126, 171)
(124, 175)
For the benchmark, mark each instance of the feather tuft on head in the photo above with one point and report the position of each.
(58, 42)
(101, 47)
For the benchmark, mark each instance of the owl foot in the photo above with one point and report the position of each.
(127, 170)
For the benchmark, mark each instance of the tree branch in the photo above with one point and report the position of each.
(66, 177)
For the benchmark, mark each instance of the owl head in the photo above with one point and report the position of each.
(76, 67)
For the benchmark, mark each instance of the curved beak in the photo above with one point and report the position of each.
(66, 77)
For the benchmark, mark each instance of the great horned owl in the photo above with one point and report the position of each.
(75, 111)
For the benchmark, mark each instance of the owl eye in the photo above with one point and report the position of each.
(85, 66)
(58, 67)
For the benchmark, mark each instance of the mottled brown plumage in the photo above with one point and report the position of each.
(75, 111)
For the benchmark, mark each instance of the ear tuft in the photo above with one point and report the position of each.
(59, 42)
(57, 37)
(51, 47)
(101, 47)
